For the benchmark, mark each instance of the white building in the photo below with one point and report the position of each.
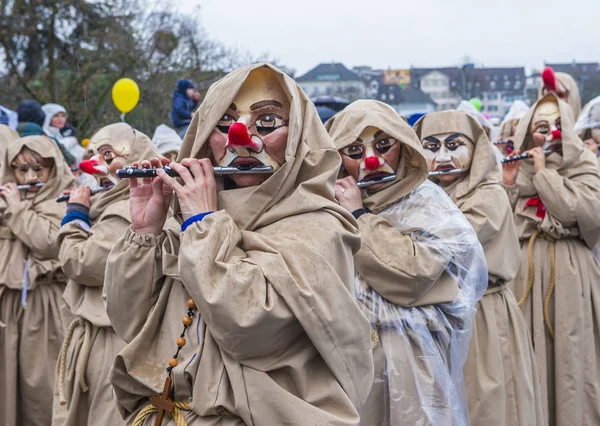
(333, 79)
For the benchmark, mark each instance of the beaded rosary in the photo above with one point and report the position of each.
(163, 403)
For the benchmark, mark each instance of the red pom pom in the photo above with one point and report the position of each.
(238, 135)
(372, 163)
(549, 79)
(556, 135)
(89, 166)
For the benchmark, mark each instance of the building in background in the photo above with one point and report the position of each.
(406, 101)
(333, 79)
(497, 88)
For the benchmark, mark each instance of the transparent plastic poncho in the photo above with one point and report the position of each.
(470, 109)
(589, 119)
(424, 348)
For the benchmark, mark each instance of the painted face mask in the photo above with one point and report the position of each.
(372, 156)
(109, 155)
(545, 126)
(253, 131)
(448, 151)
(30, 168)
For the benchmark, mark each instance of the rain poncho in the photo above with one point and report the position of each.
(33, 314)
(84, 395)
(589, 120)
(558, 284)
(279, 339)
(419, 275)
(517, 111)
(500, 372)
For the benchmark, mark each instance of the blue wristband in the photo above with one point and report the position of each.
(75, 215)
(193, 219)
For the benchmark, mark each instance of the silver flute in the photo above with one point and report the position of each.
(135, 172)
(66, 197)
(33, 185)
(376, 181)
(445, 172)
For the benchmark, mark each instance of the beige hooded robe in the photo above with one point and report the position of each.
(31, 336)
(500, 372)
(420, 272)
(279, 338)
(574, 99)
(7, 136)
(84, 394)
(561, 296)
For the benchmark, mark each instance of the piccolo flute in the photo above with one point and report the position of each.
(66, 197)
(446, 172)
(134, 172)
(503, 142)
(33, 185)
(376, 181)
(526, 155)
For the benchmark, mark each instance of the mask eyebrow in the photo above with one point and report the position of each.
(432, 139)
(233, 107)
(377, 134)
(453, 137)
(261, 104)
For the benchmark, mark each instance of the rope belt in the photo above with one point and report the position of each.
(176, 414)
(83, 356)
(531, 275)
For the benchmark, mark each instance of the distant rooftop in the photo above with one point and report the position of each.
(330, 72)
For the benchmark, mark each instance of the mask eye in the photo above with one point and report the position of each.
(268, 123)
(433, 147)
(543, 129)
(384, 145)
(452, 146)
(109, 156)
(225, 123)
(353, 151)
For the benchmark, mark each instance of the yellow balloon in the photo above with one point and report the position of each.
(125, 95)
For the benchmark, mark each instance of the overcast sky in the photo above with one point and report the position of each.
(401, 33)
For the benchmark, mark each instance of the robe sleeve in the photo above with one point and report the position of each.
(257, 302)
(83, 253)
(513, 194)
(564, 197)
(402, 270)
(132, 281)
(35, 229)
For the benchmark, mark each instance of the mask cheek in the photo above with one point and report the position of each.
(352, 167)
(463, 156)
(276, 143)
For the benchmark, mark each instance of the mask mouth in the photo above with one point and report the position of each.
(375, 176)
(444, 167)
(247, 162)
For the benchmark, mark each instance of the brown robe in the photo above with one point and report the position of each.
(279, 338)
(500, 371)
(405, 285)
(30, 337)
(83, 395)
(569, 188)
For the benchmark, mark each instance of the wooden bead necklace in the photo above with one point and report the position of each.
(163, 402)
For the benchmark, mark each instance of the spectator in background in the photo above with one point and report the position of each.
(183, 106)
(8, 117)
(57, 127)
(31, 120)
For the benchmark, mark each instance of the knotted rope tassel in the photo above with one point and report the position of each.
(176, 415)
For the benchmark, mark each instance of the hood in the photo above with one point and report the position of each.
(51, 110)
(166, 139)
(30, 111)
(348, 124)
(183, 85)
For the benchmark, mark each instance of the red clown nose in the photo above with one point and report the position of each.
(549, 79)
(372, 163)
(238, 136)
(556, 134)
(89, 166)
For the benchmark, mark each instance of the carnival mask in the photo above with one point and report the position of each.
(29, 168)
(254, 129)
(545, 126)
(561, 91)
(110, 153)
(448, 151)
(372, 156)
(594, 132)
